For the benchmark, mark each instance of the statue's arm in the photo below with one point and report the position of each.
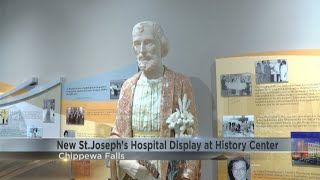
(191, 168)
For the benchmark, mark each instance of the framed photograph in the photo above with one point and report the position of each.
(239, 168)
(48, 113)
(115, 88)
(69, 133)
(271, 71)
(75, 116)
(4, 116)
(236, 85)
(238, 126)
(305, 149)
(34, 132)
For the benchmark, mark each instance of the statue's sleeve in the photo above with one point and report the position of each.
(190, 169)
(120, 128)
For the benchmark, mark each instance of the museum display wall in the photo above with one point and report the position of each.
(268, 97)
(83, 41)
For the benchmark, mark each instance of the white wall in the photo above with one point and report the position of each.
(78, 38)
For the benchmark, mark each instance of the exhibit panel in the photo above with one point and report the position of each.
(89, 105)
(271, 95)
(32, 113)
(61, 108)
(29, 110)
(88, 111)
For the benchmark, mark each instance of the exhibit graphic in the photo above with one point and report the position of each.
(305, 147)
(238, 126)
(236, 85)
(35, 132)
(69, 133)
(4, 116)
(271, 71)
(284, 100)
(75, 115)
(32, 111)
(115, 87)
(89, 104)
(95, 102)
(89, 110)
(96, 87)
(48, 111)
(239, 168)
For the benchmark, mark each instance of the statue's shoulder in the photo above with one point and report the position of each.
(131, 81)
(178, 76)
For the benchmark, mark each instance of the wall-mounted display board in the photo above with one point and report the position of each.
(34, 113)
(269, 94)
(78, 108)
(21, 88)
(89, 104)
(89, 110)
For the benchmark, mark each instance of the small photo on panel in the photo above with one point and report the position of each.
(236, 85)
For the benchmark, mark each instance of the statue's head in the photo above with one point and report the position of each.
(149, 44)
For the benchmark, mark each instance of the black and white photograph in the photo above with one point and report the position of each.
(48, 113)
(69, 133)
(75, 116)
(115, 87)
(34, 132)
(239, 168)
(4, 116)
(271, 71)
(238, 126)
(236, 84)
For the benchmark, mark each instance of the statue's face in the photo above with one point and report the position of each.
(148, 50)
(239, 170)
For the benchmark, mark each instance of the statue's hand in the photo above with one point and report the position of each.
(133, 169)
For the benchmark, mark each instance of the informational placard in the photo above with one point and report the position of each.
(89, 104)
(37, 116)
(89, 107)
(269, 95)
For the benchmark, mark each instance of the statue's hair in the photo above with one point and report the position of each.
(157, 32)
